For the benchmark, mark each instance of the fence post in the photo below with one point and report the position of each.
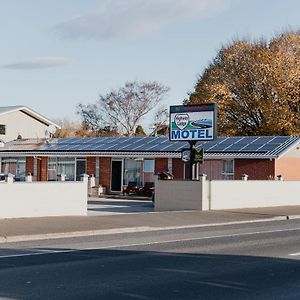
(9, 178)
(92, 181)
(205, 200)
(28, 177)
(244, 177)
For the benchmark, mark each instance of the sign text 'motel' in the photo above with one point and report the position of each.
(193, 122)
(191, 134)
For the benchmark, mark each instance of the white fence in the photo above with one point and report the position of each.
(255, 193)
(178, 195)
(225, 194)
(43, 199)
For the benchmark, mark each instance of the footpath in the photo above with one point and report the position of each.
(25, 229)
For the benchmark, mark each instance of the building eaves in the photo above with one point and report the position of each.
(28, 111)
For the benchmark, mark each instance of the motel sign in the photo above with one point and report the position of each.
(193, 122)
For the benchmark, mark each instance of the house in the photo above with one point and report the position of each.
(21, 122)
(117, 161)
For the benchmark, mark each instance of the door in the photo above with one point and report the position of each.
(80, 167)
(116, 176)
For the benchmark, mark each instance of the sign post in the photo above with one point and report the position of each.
(192, 123)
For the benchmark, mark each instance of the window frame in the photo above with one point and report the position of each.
(2, 129)
(225, 174)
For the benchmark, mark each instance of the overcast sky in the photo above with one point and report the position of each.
(55, 54)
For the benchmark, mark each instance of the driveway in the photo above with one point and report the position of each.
(108, 206)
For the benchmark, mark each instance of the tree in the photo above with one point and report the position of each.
(256, 86)
(160, 123)
(124, 108)
(68, 128)
(139, 131)
(71, 128)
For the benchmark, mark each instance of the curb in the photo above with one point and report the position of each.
(74, 234)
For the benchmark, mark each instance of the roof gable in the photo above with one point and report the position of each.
(29, 112)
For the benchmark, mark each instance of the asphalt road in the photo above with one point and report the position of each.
(246, 261)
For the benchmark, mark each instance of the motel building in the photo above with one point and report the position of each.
(26, 147)
(117, 161)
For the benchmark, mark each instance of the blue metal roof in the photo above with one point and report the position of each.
(247, 146)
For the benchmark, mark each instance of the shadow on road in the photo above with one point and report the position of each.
(119, 274)
(120, 206)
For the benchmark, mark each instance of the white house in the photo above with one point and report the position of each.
(21, 122)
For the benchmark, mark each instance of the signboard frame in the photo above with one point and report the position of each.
(197, 122)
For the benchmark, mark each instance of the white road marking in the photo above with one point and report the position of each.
(152, 243)
(295, 254)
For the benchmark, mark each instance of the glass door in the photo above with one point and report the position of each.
(80, 167)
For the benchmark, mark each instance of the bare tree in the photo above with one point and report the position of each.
(160, 123)
(124, 108)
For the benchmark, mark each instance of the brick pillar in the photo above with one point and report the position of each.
(43, 176)
(178, 167)
(104, 176)
(91, 165)
(29, 166)
(161, 165)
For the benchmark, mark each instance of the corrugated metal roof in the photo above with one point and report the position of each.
(222, 147)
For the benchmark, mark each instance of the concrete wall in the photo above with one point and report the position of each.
(179, 195)
(248, 194)
(42, 199)
(288, 168)
(17, 123)
(224, 194)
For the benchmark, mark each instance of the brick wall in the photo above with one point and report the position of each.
(43, 169)
(29, 166)
(259, 169)
(161, 165)
(177, 166)
(91, 165)
(212, 168)
(104, 176)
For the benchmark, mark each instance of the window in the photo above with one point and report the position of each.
(52, 173)
(227, 169)
(148, 170)
(132, 171)
(149, 165)
(2, 129)
(15, 166)
(61, 165)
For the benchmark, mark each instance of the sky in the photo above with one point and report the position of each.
(57, 54)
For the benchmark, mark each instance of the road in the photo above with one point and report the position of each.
(245, 261)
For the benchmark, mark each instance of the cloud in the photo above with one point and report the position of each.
(39, 63)
(135, 18)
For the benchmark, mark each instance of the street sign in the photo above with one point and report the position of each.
(198, 155)
(193, 122)
(185, 154)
